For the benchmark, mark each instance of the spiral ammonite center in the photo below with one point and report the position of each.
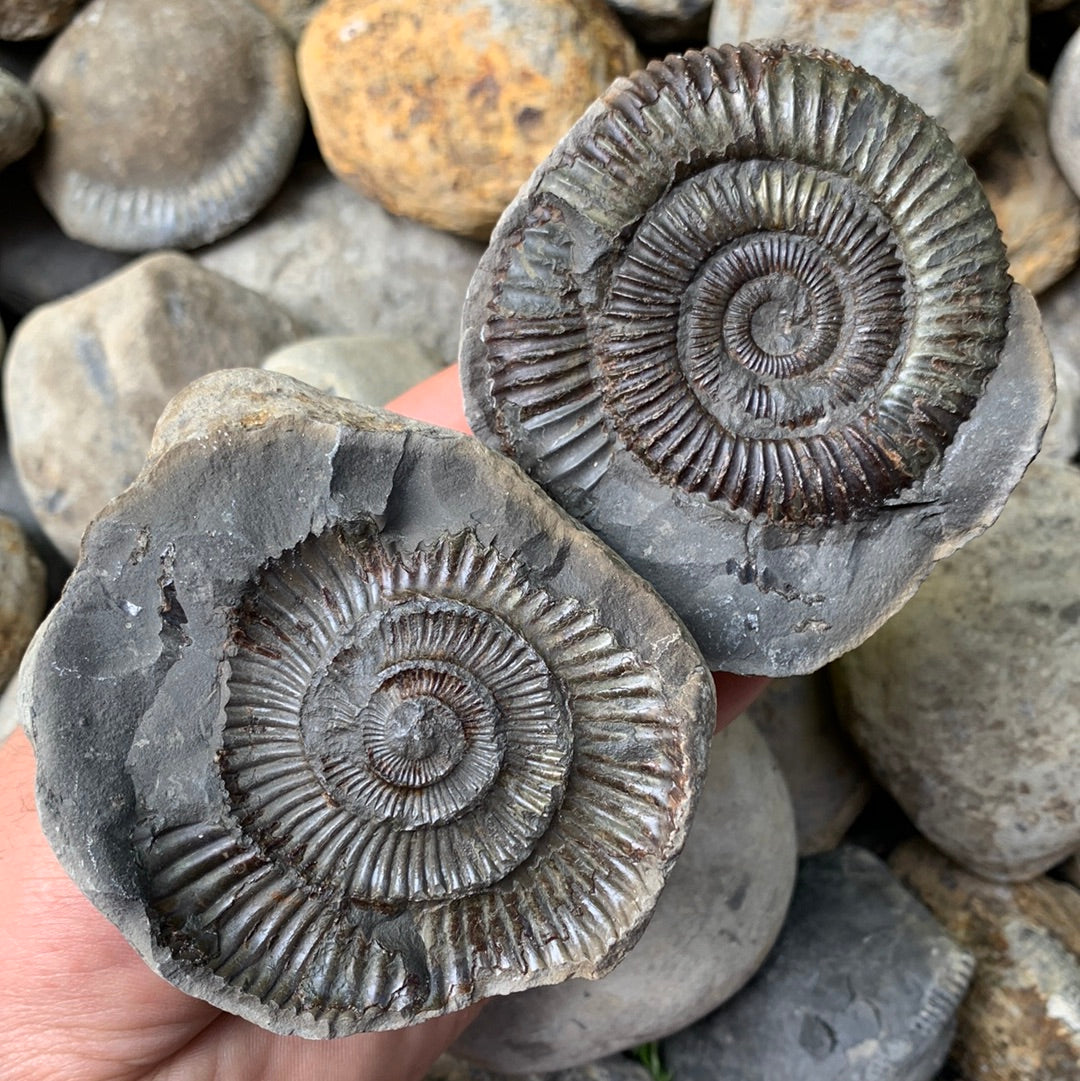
(417, 742)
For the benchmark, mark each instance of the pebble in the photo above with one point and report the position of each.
(966, 703)
(1021, 1018)
(87, 376)
(828, 783)
(368, 369)
(169, 125)
(22, 595)
(478, 93)
(290, 15)
(24, 19)
(1060, 311)
(38, 262)
(961, 60)
(1065, 112)
(863, 985)
(1037, 211)
(716, 920)
(343, 265)
(613, 1068)
(9, 708)
(21, 120)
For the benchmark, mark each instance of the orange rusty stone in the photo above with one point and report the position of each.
(441, 111)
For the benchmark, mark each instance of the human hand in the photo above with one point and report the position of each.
(77, 1002)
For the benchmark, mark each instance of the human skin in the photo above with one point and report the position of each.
(78, 1004)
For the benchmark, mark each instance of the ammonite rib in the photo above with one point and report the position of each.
(754, 289)
(384, 751)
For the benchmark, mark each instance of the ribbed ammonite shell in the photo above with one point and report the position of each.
(754, 282)
(394, 744)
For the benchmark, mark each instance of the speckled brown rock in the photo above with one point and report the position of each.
(169, 124)
(448, 132)
(86, 377)
(613, 1068)
(22, 595)
(966, 703)
(961, 60)
(21, 120)
(291, 15)
(367, 368)
(1038, 212)
(22, 19)
(828, 782)
(1021, 1018)
(1059, 308)
(343, 265)
(1065, 112)
(717, 918)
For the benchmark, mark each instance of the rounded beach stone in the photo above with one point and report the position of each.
(717, 918)
(966, 703)
(291, 15)
(379, 730)
(863, 984)
(23, 19)
(1060, 311)
(476, 94)
(368, 369)
(613, 1068)
(22, 595)
(1020, 1020)
(1065, 112)
(86, 377)
(750, 322)
(1038, 212)
(21, 120)
(961, 60)
(828, 782)
(343, 265)
(169, 125)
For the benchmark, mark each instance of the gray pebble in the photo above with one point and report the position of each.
(966, 703)
(86, 377)
(719, 914)
(343, 265)
(613, 1068)
(21, 120)
(1060, 311)
(366, 368)
(828, 783)
(863, 985)
(961, 60)
(1065, 112)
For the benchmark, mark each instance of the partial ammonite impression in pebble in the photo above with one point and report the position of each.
(735, 322)
(169, 124)
(370, 743)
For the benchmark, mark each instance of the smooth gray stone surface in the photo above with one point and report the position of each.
(863, 985)
(828, 781)
(366, 368)
(21, 120)
(613, 1068)
(343, 265)
(966, 704)
(300, 590)
(86, 377)
(1064, 117)
(1059, 308)
(717, 917)
(961, 60)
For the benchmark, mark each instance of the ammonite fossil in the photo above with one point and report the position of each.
(744, 306)
(378, 730)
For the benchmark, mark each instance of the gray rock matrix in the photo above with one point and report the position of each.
(863, 985)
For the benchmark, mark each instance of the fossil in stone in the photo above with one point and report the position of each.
(753, 293)
(168, 125)
(379, 746)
